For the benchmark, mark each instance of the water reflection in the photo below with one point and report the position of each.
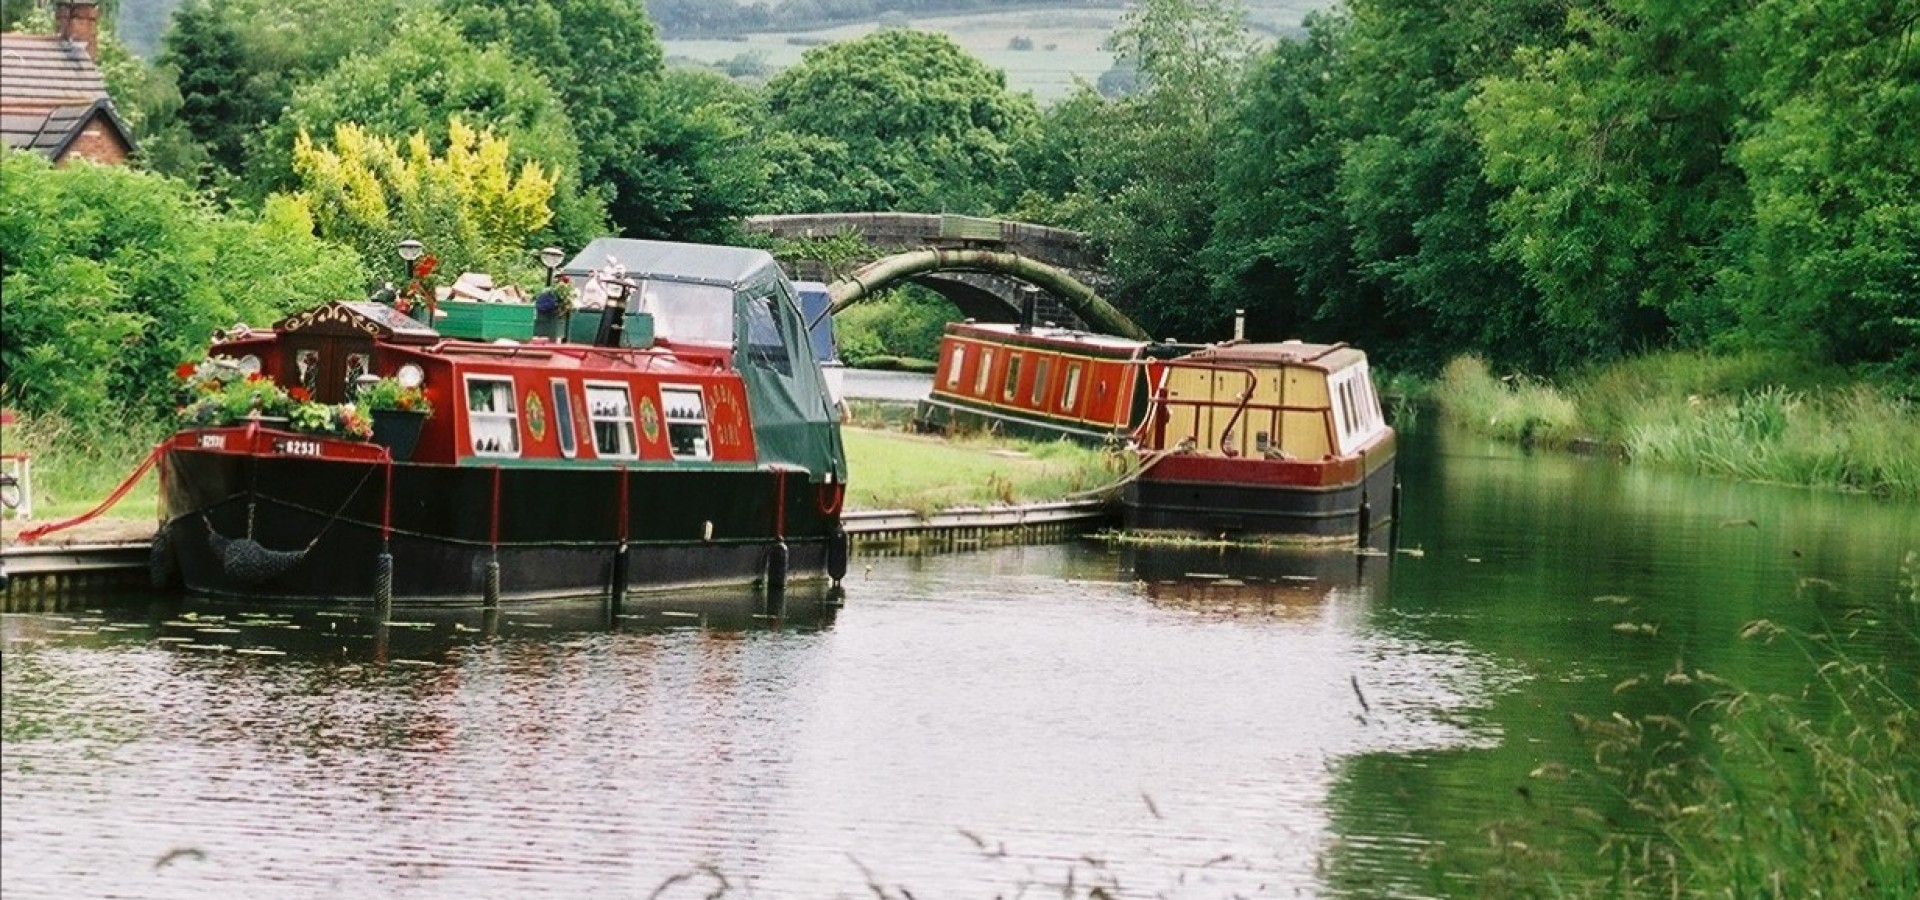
(1251, 581)
(1178, 721)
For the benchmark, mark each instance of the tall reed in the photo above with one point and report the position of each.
(1754, 416)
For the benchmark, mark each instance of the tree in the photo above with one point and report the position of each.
(898, 120)
(643, 141)
(425, 79)
(235, 64)
(1143, 183)
(470, 206)
(110, 276)
(1828, 154)
(1612, 153)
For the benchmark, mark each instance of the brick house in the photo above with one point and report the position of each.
(53, 99)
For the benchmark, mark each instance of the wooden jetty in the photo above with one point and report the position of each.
(40, 576)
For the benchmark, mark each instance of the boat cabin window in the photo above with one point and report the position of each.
(688, 312)
(1070, 393)
(1040, 367)
(686, 410)
(610, 409)
(766, 341)
(493, 422)
(955, 361)
(1013, 376)
(986, 370)
(1356, 414)
(356, 367)
(307, 362)
(563, 419)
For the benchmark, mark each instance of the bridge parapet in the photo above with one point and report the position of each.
(1056, 247)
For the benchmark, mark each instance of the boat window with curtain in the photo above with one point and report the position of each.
(493, 421)
(610, 409)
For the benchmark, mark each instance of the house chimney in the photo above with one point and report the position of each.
(78, 21)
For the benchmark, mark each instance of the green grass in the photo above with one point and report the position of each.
(894, 470)
(889, 469)
(75, 467)
(1753, 416)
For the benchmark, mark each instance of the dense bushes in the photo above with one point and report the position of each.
(109, 277)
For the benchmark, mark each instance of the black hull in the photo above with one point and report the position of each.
(1357, 512)
(310, 530)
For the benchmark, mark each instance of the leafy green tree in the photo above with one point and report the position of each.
(469, 206)
(1829, 159)
(671, 167)
(221, 104)
(1143, 179)
(234, 65)
(898, 120)
(1281, 247)
(424, 79)
(110, 276)
(1612, 150)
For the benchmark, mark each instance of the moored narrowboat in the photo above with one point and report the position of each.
(1264, 443)
(1040, 382)
(1253, 443)
(681, 435)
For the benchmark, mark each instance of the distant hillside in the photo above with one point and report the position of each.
(721, 18)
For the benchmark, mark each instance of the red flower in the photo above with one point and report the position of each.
(254, 376)
(185, 370)
(299, 394)
(425, 266)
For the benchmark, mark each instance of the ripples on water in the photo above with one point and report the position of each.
(1193, 724)
(967, 725)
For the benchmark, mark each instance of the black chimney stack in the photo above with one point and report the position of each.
(613, 318)
(1029, 302)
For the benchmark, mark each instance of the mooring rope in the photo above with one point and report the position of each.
(39, 531)
(1149, 462)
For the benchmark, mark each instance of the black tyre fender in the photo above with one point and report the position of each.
(163, 561)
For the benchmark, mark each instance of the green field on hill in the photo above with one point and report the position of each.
(1066, 44)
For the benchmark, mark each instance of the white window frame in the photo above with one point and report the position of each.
(685, 406)
(563, 425)
(492, 418)
(620, 415)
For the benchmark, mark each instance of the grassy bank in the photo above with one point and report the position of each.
(75, 467)
(889, 469)
(1756, 417)
(896, 470)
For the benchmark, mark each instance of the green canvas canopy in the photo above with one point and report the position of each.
(736, 295)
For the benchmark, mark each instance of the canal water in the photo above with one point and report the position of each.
(1073, 719)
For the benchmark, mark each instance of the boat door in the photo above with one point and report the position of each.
(327, 359)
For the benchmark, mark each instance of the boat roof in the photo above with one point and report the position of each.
(733, 267)
(1327, 357)
(1008, 333)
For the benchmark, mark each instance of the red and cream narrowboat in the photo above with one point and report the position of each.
(689, 440)
(1264, 443)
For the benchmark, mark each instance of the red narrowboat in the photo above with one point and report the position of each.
(680, 436)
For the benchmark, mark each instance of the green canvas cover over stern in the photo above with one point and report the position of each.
(794, 420)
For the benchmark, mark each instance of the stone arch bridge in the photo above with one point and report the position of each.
(986, 267)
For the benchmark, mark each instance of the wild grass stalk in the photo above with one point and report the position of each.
(1745, 791)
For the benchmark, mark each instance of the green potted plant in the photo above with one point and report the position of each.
(398, 413)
